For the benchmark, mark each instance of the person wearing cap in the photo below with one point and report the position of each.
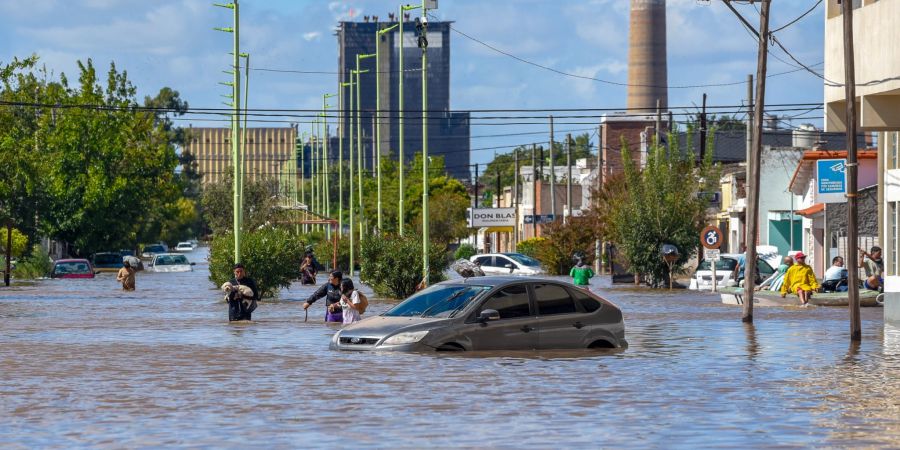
(239, 306)
(800, 279)
(332, 293)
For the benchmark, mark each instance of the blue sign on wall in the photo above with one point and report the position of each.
(831, 181)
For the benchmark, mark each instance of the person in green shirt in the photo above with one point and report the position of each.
(581, 274)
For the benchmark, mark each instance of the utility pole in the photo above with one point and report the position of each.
(552, 173)
(753, 163)
(852, 170)
(598, 245)
(6, 273)
(474, 206)
(568, 178)
(515, 196)
(658, 120)
(702, 129)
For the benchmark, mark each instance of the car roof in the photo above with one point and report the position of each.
(167, 254)
(71, 260)
(499, 280)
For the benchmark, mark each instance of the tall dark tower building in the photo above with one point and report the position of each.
(448, 132)
(647, 74)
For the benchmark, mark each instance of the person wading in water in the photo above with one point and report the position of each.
(242, 295)
(332, 293)
(126, 276)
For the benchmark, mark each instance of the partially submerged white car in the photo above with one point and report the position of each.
(184, 247)
(725, 265)
(170, 262)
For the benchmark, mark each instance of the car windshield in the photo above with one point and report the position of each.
(524, 260)
(107, 258)
(721, 264)
(171, 260)
(76, 267)
(437, 301)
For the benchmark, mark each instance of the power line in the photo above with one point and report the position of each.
(798, 18)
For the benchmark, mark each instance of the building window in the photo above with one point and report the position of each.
(894, 144)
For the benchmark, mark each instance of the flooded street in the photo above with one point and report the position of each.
(87, 365)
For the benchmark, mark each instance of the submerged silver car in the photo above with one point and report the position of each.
(491, 313)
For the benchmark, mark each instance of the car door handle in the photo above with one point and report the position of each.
(526, 329)
(578, 325)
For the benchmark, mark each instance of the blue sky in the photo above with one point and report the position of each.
(171, 43)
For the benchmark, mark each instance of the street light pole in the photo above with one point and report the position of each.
(423, 44)
(378, 110)
(235, 146)
(343, 128)
(359, 151)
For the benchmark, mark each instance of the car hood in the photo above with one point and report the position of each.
(381, 326)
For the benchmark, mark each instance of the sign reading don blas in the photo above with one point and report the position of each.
(492, 217)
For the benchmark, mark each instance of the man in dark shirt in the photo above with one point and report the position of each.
(332, 293)
(240, 307)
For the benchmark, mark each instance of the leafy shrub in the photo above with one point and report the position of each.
(564, 240)
(529, 247)
(392, 264)
(271, 257)
(465, 251)
(37, 265)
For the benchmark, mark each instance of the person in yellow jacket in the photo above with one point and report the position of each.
(800, 280)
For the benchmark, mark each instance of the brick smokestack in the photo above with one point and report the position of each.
(647, 74)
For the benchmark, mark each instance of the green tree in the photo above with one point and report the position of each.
(110, 169)
(658, 205)
(19, 243)
(260, 203)
(448, 199)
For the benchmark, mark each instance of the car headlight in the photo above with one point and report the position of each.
(409, 337)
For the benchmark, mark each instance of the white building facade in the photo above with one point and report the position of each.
(877, 71)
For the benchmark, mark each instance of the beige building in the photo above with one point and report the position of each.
(877, 71)
(265, 153)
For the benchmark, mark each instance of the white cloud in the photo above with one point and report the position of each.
(312, 35)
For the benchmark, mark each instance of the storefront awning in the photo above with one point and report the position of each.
(495, 230)
(811, 211)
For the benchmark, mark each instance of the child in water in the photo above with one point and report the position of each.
(349, 301)
(581, 274)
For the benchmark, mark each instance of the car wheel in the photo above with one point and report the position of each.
(451, 347)
(601, 343)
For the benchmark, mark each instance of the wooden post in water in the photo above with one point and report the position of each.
(852, 170)
(754, 162)
(6, 273)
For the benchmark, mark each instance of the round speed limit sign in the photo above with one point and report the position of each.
(711, 237)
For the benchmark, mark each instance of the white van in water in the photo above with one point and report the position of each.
(725, 265)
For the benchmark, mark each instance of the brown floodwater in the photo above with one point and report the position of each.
(84, 364)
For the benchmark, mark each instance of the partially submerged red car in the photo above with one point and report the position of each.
(72, 268)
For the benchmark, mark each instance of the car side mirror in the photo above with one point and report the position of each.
(96, 272)
(488, 315)
(510, 267)
(193, 264)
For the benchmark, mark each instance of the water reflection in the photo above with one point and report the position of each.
(86, 365)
